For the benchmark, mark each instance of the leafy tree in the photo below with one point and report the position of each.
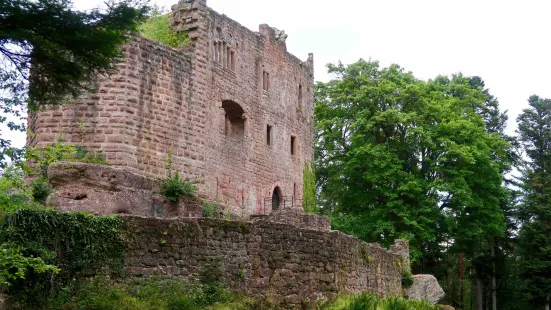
(66, 50)
(410, 158)
(534, 129)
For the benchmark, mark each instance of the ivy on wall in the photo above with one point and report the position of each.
(309, 188)
(62, 247)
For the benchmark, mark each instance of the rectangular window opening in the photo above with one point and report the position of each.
(268, 135)
(299, 94)
(233, 61)
(292, 145)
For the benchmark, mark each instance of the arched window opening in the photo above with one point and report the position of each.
(235, 119)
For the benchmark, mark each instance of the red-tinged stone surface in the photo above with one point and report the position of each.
(279, 262)
(209, 103)
(106, 190)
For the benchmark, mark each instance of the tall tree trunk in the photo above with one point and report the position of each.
(461, 279)
(494, 289)
(547, 303)
(479, 294)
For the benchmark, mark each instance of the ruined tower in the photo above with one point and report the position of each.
(234, 109)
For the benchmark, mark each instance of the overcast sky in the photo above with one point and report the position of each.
(504, 42)
(507, 43)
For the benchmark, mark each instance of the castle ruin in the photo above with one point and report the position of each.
(234, 109)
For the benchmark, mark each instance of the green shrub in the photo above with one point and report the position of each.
(13, 195)
(85, 155)
(174, 187)
(213, 210)
(157, 28)
(407, 276)
(14, 265)
(39, 159)
(40, 189)
(154, 293)
(407, 280)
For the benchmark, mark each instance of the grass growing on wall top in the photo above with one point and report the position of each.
(157, 28)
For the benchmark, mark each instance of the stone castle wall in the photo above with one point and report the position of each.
(209, 104)
(279, 262)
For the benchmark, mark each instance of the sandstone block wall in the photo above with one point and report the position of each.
(210, 104)
(282, 263)
(296, 218)
(104, 190)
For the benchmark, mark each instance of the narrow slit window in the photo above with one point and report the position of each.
(224, 54)
(233, 61)
(214, 50)
(266, 81)
(293, 145)
(299, 94)
(268, 135)
(228, 58)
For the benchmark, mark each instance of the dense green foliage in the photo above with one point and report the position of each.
(69, 245)
(410, 159)
(157, 27)
(40, 158)
(155, 293)
(68, 49)
(534, 128)
(309, 188)
(371, 302)
(160, 293)
(14, 265)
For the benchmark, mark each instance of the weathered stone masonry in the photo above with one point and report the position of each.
(210, 104)
(275, 261)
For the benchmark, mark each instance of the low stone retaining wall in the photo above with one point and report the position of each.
(296, 218)
(279, 262)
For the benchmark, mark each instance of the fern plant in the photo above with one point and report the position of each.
(175, 187)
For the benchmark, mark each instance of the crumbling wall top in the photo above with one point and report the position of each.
(191, 15)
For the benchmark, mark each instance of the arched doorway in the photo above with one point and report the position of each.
(276, 198)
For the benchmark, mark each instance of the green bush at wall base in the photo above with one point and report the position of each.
(212, 210)
(370, 301)
(154, 293)
(75, 243)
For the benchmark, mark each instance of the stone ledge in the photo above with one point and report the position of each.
(105, 190)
